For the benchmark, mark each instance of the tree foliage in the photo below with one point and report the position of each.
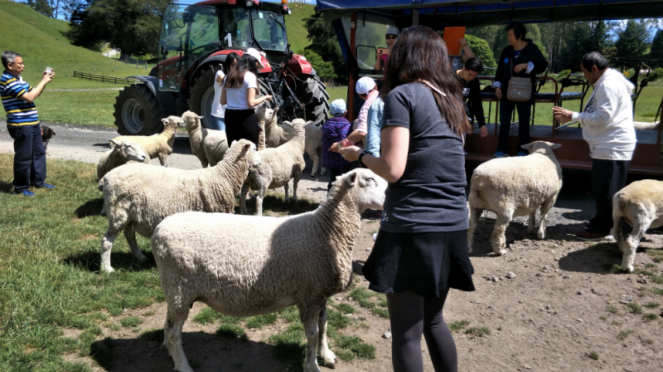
(481, 50)
(656, 54)
(325, 44)
(129, 25)
(322, 68)
(631, 45)
(44, 7)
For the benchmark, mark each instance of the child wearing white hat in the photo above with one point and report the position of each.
(335, 130)
(368, 91)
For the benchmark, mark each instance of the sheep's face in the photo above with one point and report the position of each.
(264, 113)
(130, 150)
(173, 121)
(369, 188)
(541, 147)
(191, 120)
(248, 151)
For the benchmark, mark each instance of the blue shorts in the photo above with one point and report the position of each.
(218, 123)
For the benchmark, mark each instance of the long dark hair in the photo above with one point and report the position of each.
(230, 59)
(236, 76)
(421, 54)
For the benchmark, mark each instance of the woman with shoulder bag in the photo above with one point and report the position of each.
(421, 248)
(514, 85)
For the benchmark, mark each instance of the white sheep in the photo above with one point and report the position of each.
(278, 166)
(137, 198)
(215, 144)
(247, 265)
(121, 152)
(313, 147)
(158, 145)
(275, 134)
(197, 134)
(512, 187)
(640, 204)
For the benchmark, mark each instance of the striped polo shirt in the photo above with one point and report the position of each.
(19, 112)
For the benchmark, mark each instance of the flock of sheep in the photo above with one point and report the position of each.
(299, 260)
(204, 256)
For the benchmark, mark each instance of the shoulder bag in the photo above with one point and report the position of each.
(520, 89)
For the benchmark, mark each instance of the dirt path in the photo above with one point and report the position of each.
(564, 311)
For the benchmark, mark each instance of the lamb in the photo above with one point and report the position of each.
(314, 147)
(279, 165)
(120, 153)
(197, 134)
(640, 204)
(215, 144)
(515, 187)
(137, 198)
(275, 134)
(158, 145)
(264, 264)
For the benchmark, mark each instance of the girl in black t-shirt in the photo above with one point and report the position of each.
(421, 248)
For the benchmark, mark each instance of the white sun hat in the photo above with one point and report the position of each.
(365, 85)
(253, 52)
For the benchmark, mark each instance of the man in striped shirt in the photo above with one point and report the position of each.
(23, 124)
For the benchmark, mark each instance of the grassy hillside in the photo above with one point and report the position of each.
(295, 25)
(40, 41)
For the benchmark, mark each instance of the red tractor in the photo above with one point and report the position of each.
(195, 40)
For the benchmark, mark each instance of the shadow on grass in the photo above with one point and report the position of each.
(6, 187)
(205, 351)
(278, 205)
(599, 258)
(90, 260)
(90, 208)
(105, 144)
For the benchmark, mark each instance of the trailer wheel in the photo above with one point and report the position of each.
(137, 111)
(202, 95)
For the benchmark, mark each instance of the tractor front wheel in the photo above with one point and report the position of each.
(137, 111)
(202, 95)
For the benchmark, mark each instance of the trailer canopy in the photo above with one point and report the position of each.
(436, 13)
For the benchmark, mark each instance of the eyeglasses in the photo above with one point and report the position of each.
(391, 37)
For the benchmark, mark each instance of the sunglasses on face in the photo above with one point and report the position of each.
(391, 37)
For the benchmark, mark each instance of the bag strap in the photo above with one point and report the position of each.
(431, 86)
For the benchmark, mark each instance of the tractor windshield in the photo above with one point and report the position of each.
(269, 30)
(187, 32)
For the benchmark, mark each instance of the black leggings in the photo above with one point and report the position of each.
(242, 124)
(410, 316)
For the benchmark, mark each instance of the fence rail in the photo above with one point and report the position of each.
(102, 78)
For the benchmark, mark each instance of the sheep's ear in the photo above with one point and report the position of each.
(275, 110)
(527, 146)
(351, 180)
(201, 117)
(555, 145)
(115, 143)
(247, 147)
(288, 123)
(308, 123)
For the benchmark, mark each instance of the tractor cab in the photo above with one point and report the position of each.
(191, 33)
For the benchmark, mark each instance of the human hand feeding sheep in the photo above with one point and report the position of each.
(240, 279)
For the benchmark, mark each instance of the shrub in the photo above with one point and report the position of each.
(657, 74)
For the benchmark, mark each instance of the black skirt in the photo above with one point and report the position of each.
(242, 124)
(425, 263)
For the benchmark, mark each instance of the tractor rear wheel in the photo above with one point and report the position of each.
(202, 95)
(137, 111)
(315, 99)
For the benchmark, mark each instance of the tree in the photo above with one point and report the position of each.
(325, 44)
(322, 68)
(656, 54)
(577, 44)
(44, 7)
(129, 25)
(481, 50)
(631, 45)
(599, 39)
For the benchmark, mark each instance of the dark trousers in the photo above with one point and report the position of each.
(29, 156)
(506, 111)
(608, 177)
(335, 172)
(242, 124)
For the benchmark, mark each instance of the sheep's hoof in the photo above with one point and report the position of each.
(541, 235)
(469, 250)
(141, 258)
(107, 269)
(312, 174)
(628, 268)
(329, 360)
(500, 252)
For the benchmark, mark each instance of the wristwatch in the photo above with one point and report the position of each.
(361, 164)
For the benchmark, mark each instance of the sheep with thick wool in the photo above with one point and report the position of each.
(158, 145)
(215, 145)
(121, 152)
(640, 204)
(278, 166)
(313, 147)
(197, 134)
(275, 134)
(512, 187)
(137, 198)
(247, 265)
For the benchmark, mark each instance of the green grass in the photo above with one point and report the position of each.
(49, 262)
(346, 309)
(634, 308)
(478, 331)
(649, 317)
(624, 334)
(365, 299)
(457, 326)
(131, 321)
(593, 355)
(66, 107)
(259, 321)
(611, 309)
(652, 305)
(297, 33)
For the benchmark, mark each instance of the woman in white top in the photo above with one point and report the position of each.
(218, 110)
(239, 96)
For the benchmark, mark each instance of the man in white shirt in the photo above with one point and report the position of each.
(607, 126)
